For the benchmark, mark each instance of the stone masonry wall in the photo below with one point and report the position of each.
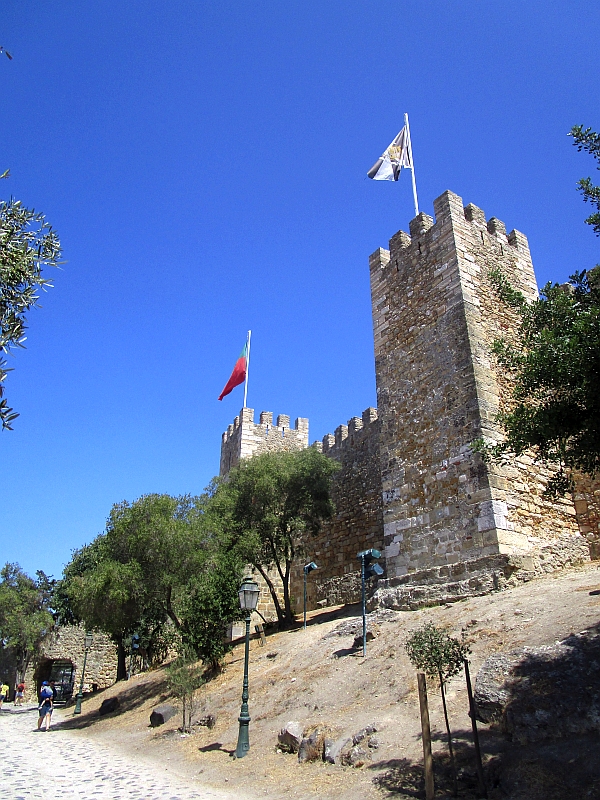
(67, 642)
(245, 438)
(358, 522)
(587, 509)
(435, 316)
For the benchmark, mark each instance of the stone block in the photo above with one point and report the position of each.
(162, 714)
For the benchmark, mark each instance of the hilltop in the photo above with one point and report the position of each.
(316, 678)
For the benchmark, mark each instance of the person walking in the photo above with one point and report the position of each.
(46, 705)
(4, 692)
(20, 694)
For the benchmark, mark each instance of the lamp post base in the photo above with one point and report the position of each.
(77, 709)
(243, 743)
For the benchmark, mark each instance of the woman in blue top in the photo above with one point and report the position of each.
(45, 709)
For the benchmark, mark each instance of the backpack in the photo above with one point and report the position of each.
(46, 693)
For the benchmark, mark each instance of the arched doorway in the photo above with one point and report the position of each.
(60, 673)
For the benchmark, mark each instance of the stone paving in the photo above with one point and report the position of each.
(64, 765)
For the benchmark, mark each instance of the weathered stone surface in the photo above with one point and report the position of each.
(332, 749)
(435, 317)
(290, 737)
(353, 627)
(363, 734)
(245, 438)
(312, 747)
(162, 714)
(109, 705)
(357, 756)
(66, 642)
(543, 692)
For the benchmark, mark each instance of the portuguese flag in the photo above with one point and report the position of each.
(239, 373)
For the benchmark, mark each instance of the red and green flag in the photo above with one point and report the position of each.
(239, 373)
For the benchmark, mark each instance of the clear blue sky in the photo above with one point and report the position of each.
(204, 164)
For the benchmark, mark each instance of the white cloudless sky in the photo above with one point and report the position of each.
(205, 167)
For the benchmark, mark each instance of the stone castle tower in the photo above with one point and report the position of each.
(444, 517)
(245, 438)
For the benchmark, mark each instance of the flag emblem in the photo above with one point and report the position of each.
(396, 156)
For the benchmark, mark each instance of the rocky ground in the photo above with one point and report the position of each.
(316, 678)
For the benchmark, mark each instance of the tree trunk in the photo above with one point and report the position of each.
(450, 748)
(121, 665)
(289, 615)
(269, 582)
(171, 611)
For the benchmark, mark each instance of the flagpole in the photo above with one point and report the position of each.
(247, 367)
(412, 161)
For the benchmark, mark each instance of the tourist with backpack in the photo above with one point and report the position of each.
(46, 705)
(20, 694)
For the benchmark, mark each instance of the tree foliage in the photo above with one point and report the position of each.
(28, 244)
(588, 140)
(209, 604)
(438, 655)
(268, 505)
(155, 571)
(184, 678)
(554, 366)
(553, 362)
(25, 615)
(435, 652)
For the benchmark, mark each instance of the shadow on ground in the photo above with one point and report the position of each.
(544, 743)
(130, 697)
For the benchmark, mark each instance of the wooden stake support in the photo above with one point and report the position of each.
(427, 757)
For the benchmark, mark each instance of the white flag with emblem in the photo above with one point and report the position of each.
(397, 155)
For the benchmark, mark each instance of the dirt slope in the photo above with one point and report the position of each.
(319, 680)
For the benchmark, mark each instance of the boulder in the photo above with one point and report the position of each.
(537, 693)
(492, 686)
(208, 721)
(358, 639)
(357, 756)
(312, 748)
(363, 733)
(290, 737)
(109, 705)
(332, 749)
(161, 714)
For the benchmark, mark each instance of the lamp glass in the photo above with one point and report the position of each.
(248, 594)
(87, 642)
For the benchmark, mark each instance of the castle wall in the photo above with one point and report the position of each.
(245, 438)
(435, 316)
(356, 493)
(357, 523)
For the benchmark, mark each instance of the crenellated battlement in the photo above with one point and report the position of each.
(448, 209)
(245, 438)
(346, 436)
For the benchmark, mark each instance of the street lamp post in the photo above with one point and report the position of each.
(248, 594)
(308, 568)
(87, 643)
(368, 569)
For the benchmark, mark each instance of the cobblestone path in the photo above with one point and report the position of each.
(64, 765)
